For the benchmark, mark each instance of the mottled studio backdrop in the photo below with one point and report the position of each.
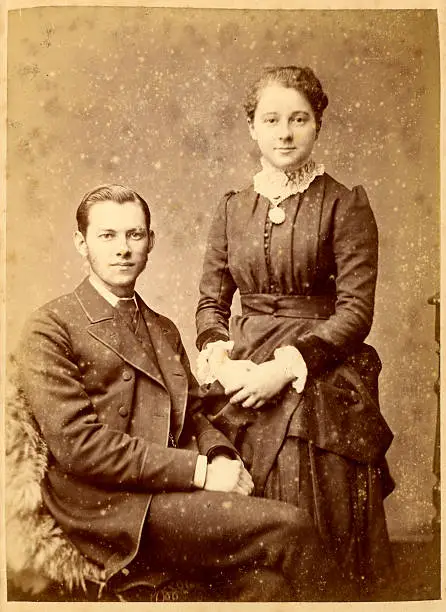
(152, 98)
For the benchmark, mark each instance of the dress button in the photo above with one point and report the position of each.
(123, 411)
(126, 375)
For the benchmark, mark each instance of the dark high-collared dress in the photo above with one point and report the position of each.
(310, 283)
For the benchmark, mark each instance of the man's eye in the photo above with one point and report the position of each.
(137, 235)
(106, 235)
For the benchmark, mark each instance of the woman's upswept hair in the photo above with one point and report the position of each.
(103, 193)
(302, 80)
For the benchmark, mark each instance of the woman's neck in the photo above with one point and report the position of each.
(269, 167)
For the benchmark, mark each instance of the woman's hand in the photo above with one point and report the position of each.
(211, 358)
(259, 384)
(232, 374)
(214, 363)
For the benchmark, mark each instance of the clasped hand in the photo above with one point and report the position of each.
(247, 383)
(253, 388)
(229, 476)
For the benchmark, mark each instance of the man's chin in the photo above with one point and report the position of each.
(122, 287)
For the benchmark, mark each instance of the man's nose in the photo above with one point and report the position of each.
(123, 246)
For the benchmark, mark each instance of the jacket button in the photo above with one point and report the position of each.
(126, 375)
(123, 411)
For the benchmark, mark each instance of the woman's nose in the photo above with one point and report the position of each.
(285, 130)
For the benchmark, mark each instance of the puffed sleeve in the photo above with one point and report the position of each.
(217, 287)
(354, 242)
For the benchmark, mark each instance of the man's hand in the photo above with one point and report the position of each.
(228, 476)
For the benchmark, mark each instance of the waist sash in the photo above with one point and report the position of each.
(299, 306)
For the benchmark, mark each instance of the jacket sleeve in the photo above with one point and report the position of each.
(354, 239)
(210, 441)
(81, 444)
(217, 287)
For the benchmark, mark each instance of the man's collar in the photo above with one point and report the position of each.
(97, 308)
(104, 292)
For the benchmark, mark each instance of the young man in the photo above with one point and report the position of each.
(110, 386)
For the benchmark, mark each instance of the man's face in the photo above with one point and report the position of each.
(116, 244)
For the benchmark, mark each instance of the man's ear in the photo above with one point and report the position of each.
(80, 244)
(151, 241)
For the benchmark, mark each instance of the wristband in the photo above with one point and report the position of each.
(201, 469)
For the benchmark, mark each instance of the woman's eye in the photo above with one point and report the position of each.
(299, 120)
(270, 120)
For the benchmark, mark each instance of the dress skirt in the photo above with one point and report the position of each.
(322, 450)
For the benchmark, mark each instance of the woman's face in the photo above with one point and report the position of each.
(284, 126)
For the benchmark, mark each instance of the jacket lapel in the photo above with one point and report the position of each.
(172, 370)
(107, 327)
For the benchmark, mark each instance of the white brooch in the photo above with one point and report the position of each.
(276, 215)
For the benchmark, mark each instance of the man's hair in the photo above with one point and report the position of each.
(103, 193)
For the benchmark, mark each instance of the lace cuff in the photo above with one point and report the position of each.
(294, 365)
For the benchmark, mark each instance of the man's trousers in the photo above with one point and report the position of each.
(264, 550)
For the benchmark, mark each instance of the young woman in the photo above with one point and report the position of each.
(302, 250)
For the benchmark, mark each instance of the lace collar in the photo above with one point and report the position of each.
(277, 185)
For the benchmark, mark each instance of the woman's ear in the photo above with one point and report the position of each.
(252, 129)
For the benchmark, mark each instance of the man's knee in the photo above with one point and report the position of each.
(294, 522)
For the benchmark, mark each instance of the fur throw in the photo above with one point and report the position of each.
(37, 551)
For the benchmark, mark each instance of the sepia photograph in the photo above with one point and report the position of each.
(221, 330)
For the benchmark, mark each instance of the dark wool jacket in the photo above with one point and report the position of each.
(105, 406)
